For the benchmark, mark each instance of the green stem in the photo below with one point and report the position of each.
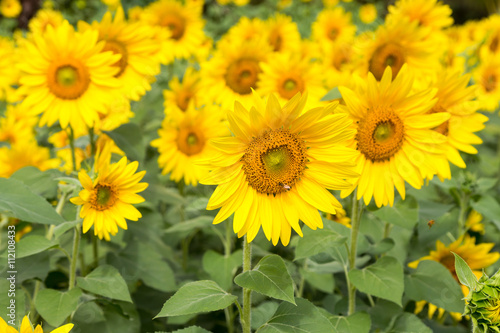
(74, 257)
(71, 138)
(247, 293)
(357, 208)
(464, 206)
(33, 313)
(228, 312)
(59, 208)
(92, 140)
(95, 249)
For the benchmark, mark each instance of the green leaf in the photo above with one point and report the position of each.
(488, 207)
(409, 323)
(65, 226)
(89, 313)
(358, 322)
(196, 297)
(17, 200)
(16, 294)
(221, 268)
(119, 317)
(159, 193)
(404, 213)
(302, 318)
(55, 306)
(106, 281)
(199, 222)
(128, 137)
(32, 244)
(383, 279)
(323, 282)
(432, 282)
(464, 273)
(43, 183)
(318, 241)
(332, 94)
(269, 277)
(191, 329)
(262, 313)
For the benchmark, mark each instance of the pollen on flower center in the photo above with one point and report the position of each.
(103, 197)
(241, 76)
(190, 141)
(68, 79)
(389, 54)
(274, 161)
(118, 48)
(380, 134)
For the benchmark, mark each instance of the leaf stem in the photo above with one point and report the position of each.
(247, 293)
(74, 257)
(357, 209)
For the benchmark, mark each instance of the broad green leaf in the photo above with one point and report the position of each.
(432, 282)
(301, 318)
(32, 244)
(159, 193)
(106, 281)
(89, 313)
(34, 266)
(65, 226)
(318, 241)
(191, 329)
(202, 221)
(332, 94)
(17, 200)
(128, 137)
(15, 309)
(119, 317)
(262, 313)
(221, 268)
(197, 297)
(358, 322)
(383, 279)
(269, 277)
(404, 213)
(383, 246)
(323, 282)
(409, 323)
(55, 306)
(43, 183)
(489, 207)
(464, 273)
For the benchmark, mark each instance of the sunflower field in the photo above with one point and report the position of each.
(267, 166)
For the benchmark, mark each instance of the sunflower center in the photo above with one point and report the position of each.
(182, 99)
(276, 41)
(190, 141)
(494, 43)
(380, 134)
(389, 54)
(444, 127)
(490, 82)
(104, 197)
(290, 87)
(68, 79)
(333, 33)
(339, 59)
(176, 24)
(274, 161)
(117, 48)
(241, 76)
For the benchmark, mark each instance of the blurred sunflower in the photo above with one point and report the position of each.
(368, 13)
(26, 327)
(66, 77)
(393, 134)
(25, 153)
(340, 217)
(285, 75)
(184, 26)
(333, 26)
(183, 141)
(107, 200)
(487, 78)
(428, 13)
(181, 94)
(43, 18)
(337, 64)
(275, 168)
(9, 74)
(283, 34)
(473, 222)
(139, 61)
(233, 71)
(247, 29)
(10, 8)
(16, 126)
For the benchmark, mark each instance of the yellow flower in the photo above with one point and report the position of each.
(283, 34)
(107, 200)
(10, 8)
(487, 78)
(16, 125)
(66, 77)
(246, 29)
(340, 217)
(134, 42)
(275, 168)
(333, 26)
(112, 4)
(27, 328)
(181, 94)
(9, 74)
(183, 141)
(25, 153)
(367, 13)
(393, 134)
(473, 222)
(43, 18)
(428, 13)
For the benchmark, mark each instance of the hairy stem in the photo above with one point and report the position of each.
(247, 293)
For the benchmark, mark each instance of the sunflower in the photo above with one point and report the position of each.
(9, 74)
(275, 168)
(16, 126)
(107, 200)
(283, 34)
(333, 26)
(233, 71)
(25, 153)
(395, 43)
(368, 13)
(337, 64)
(487, 78)
(134, 42)
(428, 13)
(456, 98)
(473, 222)
(26, 327)
(247, 29)
(181, 94)
(66, 77)
(183, 23)
(340, 217)
(285, 75)
(43, 18)
(393, 134)
(10, 8)
(183, 141)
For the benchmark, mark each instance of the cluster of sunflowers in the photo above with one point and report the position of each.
(273, 118)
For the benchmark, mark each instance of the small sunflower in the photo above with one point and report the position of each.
(275, 168)
(473, 222)
(66, 77)
(9, 74)
(183, 141)
(246, 29)
(333, 26)
(16, 126)
(283, 34)
(233, 71)
(487, 78)
(340, 217)
(26, 327)
(368, 13)
(181, 94)
(428, 13)
(393, 134)
(25, 153)
(10, 8)
(107, 200)
(43, 18)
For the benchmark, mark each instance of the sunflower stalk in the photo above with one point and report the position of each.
(74, 257)
(357, 209)
(247, 293)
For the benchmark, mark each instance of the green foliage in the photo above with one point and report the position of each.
(464, 273)
(221, 268)
(55, 306)
(33, 244)
(106, 281)
(358, 322)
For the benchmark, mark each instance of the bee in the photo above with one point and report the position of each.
(285, 186)
(431, 223)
